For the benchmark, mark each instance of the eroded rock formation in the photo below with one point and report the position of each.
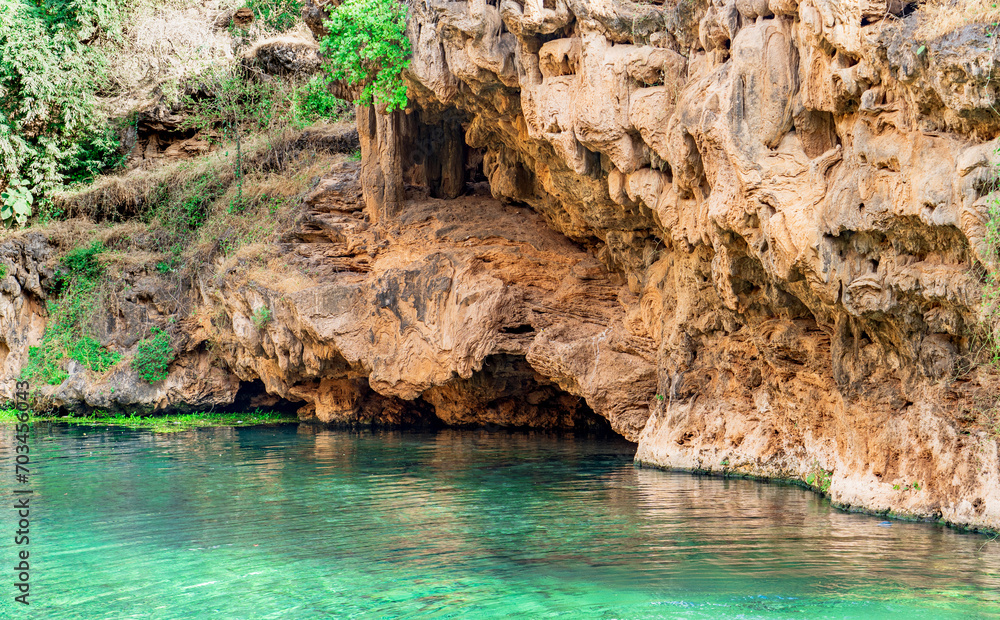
(747, 234)
(475, 307)
(795, 193)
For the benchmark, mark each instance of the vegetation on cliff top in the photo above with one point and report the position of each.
(73, 71)
(367, 48)
(50, 74)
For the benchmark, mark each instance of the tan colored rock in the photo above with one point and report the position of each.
(800, 168)
(752, 242)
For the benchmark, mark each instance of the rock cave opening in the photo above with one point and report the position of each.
(437, 162)
(507, 393)
(252, 395)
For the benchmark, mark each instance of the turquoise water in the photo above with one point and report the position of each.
(293, 523)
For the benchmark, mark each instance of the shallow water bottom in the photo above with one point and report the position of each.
(291, 522)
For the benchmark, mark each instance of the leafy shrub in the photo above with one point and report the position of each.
(82, 262)
(819, 478)
(16, 207)
(367, 46)
(91, 354)
(48, 81)
(97, 151)
(167, 266)
(276, 14)
(153, 356)
(315, 101)
(45, 365)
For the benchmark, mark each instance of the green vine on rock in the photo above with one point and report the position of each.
(991, 286)
(74, 298)
(153, 356)
(367, 47)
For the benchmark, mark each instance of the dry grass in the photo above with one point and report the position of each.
(939, 17)
(65, 235)
(166, 41)
(264, 265)
(170, 41)
(128, 195)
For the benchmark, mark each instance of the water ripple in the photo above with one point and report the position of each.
(286, 523)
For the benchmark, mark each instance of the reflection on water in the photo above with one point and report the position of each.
(297, 523)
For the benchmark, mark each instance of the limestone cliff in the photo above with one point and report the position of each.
(795, 194)
(748, 234)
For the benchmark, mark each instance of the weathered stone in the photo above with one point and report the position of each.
(753, 241)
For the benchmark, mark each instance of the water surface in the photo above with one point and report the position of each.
(287, 522)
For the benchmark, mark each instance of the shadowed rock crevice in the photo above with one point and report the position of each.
(508, 393)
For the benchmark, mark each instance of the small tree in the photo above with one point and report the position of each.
(236, 102)
(367, 48)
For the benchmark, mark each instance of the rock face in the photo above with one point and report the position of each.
(795, 194)
(476, 308)
(748, 235)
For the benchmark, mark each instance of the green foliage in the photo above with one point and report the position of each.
(91, 354)
(64, 336)
(276, 14)
(261, 317)
(45, 364)
(367, 47)
(232, 101)
(48, 81)
(16, 207)
(82, 262)
(915, 486)
(182, 208)
(3, 270)
(153, 356)
(314, 101)
(167, 266)
(819, 478)
(235, 103)
(97, 151)
(86, 17)
(170, 423)
(991, 287)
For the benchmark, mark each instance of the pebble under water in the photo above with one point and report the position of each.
(294, 522)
